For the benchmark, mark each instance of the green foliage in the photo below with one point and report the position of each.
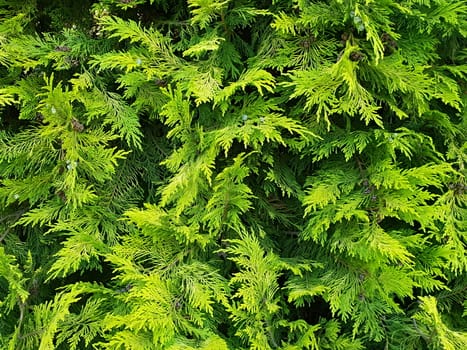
(233, 174)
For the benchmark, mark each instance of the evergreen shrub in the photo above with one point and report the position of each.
(233, 174)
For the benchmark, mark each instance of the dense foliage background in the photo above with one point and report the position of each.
(201, 174)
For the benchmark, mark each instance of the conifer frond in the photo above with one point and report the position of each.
(258, 78)
(302, 290)
(433, 330)
(205, 11)
(80, 251)
(83, 327)
(255, 305)
(6, 97)
(231, 197)
(10, 271)
(201, 80)
(116, 112)
(133, 31)
(48, 317)
(284, 23)
(49, 212)
(208, 44)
